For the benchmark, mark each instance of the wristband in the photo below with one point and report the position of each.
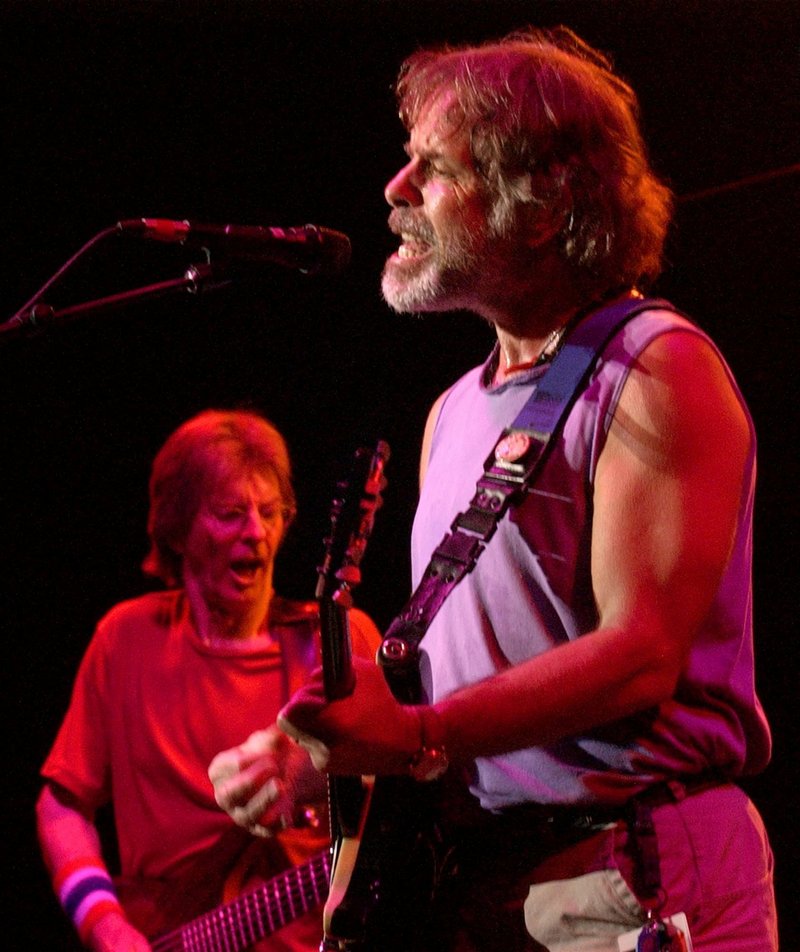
(86, 892)
(431, 761)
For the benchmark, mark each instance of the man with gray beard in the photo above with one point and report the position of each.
(592, 676)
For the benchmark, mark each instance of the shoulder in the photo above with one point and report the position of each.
(427, 436)
(293, 611)
(156, 608)
(301, 619)
(682, 373)
(679, 402)
(466, 388)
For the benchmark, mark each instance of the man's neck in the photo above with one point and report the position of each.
(525, 335)
(536, 336)
(215, 623)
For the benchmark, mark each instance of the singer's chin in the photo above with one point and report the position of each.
(404, 292)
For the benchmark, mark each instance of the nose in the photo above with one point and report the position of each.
(254, 524)
(403, 190)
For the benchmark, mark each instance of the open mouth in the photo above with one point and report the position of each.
(246, 570)
(412, 246)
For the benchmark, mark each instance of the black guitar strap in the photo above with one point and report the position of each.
(509, 471)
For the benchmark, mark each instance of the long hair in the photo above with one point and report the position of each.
(210, 446)
(551, 125)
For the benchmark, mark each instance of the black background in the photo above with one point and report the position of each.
(280, 112)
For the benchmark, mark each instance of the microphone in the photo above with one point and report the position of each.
(311, 249)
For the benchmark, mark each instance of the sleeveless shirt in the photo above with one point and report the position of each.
(531, 591)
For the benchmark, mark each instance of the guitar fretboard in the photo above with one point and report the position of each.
(256, 914)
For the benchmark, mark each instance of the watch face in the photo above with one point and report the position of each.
(429, 763)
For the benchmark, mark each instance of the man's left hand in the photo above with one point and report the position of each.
(368, 732)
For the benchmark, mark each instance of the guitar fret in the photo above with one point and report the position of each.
(278, 904)
(323, 869)
(302, 892)
(248, 930)
(226, 922)
(290, 897)
(220, 930)
(193, 941)
(268, 908)
(238, 923)
(259, 929)
(255, 915)
(233, 921)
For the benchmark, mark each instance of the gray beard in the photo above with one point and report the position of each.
(444, 283)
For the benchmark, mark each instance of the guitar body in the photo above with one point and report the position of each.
(384, 876)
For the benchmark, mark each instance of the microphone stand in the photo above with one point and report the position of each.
(197, 278)
(35, 316)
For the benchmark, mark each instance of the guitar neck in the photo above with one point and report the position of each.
(337, 659)
(256, 914)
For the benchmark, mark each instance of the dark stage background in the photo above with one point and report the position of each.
(281, 113)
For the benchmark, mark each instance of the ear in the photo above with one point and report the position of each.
(545, 219)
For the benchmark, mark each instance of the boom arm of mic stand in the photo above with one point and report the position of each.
(197, 278)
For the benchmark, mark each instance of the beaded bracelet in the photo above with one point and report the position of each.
(86, 893)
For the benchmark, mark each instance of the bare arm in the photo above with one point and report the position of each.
(67, 834)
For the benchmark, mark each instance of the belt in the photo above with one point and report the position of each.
(557, 818)
(506, 845)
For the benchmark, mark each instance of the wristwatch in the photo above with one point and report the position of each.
(430, 762)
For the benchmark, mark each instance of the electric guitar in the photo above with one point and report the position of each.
(254, 915)
(383, 869)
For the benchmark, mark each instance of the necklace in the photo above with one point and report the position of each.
(547, 351)
(554, 339)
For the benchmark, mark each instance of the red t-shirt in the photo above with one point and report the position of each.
(152, 705)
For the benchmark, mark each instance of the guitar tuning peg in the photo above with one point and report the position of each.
(350, 575)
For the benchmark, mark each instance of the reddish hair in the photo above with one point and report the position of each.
(208, 447)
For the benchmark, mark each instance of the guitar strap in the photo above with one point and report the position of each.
(296, 625)
(509, 471)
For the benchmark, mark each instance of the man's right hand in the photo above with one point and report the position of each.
(263, 781)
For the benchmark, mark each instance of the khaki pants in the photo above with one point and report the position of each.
(716, 867)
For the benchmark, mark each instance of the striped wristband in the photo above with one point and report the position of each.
(86, 893)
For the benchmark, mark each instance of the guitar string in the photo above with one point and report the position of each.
(290, 892)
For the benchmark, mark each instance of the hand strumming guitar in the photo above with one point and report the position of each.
(264, 783)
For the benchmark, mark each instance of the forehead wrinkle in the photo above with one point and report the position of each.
(424, 153)
(246, 485)
(432, 148)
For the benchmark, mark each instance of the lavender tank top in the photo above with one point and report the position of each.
(531, 590)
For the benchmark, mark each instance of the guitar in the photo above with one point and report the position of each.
(383, 868)
(256, 914)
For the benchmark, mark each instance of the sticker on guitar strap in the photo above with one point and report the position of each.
(512, 447)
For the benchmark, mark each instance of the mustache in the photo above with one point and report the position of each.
(410, 222)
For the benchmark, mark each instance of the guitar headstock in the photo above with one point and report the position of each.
(352, 516)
